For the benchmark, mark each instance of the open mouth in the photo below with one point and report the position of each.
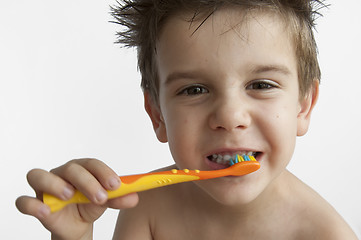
(226, 159)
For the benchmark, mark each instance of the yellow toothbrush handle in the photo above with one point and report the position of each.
(130, 184)
(149, 182)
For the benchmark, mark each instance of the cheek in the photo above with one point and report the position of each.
(182, 132)
(177, 125)
(280, 127)
(286, 120)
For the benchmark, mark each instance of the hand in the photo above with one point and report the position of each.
(91, 177)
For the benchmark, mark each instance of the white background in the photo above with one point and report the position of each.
(66, 91)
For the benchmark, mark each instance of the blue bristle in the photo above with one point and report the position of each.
(246, 158)
(231, 163)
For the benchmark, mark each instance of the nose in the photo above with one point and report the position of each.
(230, 113)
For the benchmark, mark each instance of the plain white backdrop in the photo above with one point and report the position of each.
(66, 91)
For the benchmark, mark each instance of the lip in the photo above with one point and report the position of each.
(231, 151)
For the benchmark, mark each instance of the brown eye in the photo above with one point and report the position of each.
(260, 85)
(194, 90)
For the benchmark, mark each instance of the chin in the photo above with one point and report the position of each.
(232, 191)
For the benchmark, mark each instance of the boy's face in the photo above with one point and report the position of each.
(229, 88)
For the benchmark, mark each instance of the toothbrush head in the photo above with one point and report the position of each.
(242, 165)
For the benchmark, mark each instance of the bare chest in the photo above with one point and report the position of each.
(205, 229)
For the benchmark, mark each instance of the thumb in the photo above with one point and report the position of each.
(127, 201)
(90, 212)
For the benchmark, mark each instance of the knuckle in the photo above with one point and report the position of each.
(68, 169)
(85, 161)
(70, 166)
(33, 175)
(90, 161)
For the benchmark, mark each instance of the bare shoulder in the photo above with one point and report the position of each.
(139, 222)
(317, 219)
(133, 223)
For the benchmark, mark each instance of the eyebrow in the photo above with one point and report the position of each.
(182, 75)
(271, 68)
(257, 69)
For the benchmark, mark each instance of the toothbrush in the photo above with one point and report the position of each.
(241, 165)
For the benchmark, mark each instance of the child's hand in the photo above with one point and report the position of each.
(91, 177)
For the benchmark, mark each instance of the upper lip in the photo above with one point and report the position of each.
(230, 151)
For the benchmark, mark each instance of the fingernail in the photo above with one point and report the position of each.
(67, 193)
(44, 211)
(114, 183)
(101, 196)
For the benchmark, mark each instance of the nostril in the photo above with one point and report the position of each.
(229, 114)
(242, 126)
(231, 127)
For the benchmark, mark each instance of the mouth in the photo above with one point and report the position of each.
(226, 159)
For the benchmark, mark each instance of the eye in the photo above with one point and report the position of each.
(261, 85)
(193, 90)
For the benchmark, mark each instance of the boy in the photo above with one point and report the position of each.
(219, 78)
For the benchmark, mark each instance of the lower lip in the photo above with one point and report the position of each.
(215, 166)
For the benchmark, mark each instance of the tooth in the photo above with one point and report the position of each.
(238, 157)
(227, 157)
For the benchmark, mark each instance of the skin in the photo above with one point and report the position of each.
(233, 113)
(230, 87)
(91, 177)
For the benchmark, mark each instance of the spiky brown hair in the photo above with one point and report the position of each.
(142, 20)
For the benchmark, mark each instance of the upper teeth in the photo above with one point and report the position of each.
(224, 159)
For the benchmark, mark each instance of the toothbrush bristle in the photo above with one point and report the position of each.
(231, 163)
(243, 158)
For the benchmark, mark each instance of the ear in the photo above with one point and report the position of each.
(306, 106)
(156, 117)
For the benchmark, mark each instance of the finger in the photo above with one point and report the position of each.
(91, 212)
(102, 172)
(32, 206)
(127, 201)
(43, 181)
(56, 222)
(83, 180)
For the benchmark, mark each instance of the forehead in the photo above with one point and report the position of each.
(247, 37)
(230, 18)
